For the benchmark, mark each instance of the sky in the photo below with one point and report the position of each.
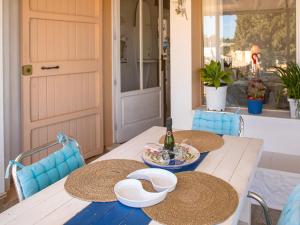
(228, 28)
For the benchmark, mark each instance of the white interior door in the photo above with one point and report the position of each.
(137, 64)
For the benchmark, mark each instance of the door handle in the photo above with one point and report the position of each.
(49, 67)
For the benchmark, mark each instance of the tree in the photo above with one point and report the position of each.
(270, 32)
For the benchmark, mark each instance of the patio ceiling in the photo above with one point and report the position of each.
(241, 6)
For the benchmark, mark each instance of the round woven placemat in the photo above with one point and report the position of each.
(95, 182)
(199, 199)
(201, 140)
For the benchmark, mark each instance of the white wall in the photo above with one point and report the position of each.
(2, 183)
(12, 86)
(11, 82)
(181, 67)
(280, 135)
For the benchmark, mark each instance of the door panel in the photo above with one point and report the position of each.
(139, 107)
(49, 97)
(129, 46)
(69, 7)
(83, 129)
(61, 40)
(70, 44)
(151, 44)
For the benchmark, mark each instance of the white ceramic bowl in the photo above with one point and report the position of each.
(162, 180)
(130, 192)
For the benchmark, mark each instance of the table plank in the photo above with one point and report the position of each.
(243, 174)
(30, 203)
(40, 211)
(235, 162)
(214, 158)
(64, 213)
(231, 160)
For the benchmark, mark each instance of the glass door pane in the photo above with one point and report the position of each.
(129, 45)
(151, 42)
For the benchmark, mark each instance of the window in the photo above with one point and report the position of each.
(236, 30)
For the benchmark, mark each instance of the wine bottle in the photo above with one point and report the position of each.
(169, 139)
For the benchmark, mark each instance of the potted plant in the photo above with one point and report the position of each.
(256, 94)
(290, 77)
(215, 83)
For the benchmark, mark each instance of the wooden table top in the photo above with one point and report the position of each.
(235, 163)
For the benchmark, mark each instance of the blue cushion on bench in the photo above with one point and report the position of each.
(217, 122)
(291, 211)
(47, 171)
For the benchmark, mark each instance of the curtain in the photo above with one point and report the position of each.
(212, 29)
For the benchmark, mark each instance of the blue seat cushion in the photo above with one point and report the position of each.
(217, 122)
(291, 211)
(47, 171)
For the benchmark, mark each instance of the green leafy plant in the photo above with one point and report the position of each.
(256, 89)
(290, 77)
(213, 75)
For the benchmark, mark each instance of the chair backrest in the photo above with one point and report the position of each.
(37, 176)
(223, 123)
(291, 212)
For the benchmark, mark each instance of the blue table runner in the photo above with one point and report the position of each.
(114, 213)
(106, 213)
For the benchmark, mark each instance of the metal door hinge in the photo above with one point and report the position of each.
(27, 70)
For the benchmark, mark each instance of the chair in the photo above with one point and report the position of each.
(223, 123)
(290, 214)
(39, 175)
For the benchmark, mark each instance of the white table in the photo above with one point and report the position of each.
(235, 163)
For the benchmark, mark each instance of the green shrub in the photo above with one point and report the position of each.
(213, 76)
(290, 77)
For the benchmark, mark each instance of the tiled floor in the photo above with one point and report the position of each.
(10, 200)
(257, 217)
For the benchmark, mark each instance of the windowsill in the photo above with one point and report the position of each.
(282, 114)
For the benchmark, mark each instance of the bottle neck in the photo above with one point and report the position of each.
(169, 130)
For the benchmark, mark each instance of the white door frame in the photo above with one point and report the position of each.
(117, 95)
(2, 164)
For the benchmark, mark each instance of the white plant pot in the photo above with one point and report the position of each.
(216, 98)
(294, 108)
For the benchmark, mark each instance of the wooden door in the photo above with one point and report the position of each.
(61, 39)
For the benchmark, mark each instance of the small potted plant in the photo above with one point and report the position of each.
(256, 95)
(290, 77)
(215, 82)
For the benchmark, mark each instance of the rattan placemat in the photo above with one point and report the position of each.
(95, 182)
(201, 140)
(198, 199)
